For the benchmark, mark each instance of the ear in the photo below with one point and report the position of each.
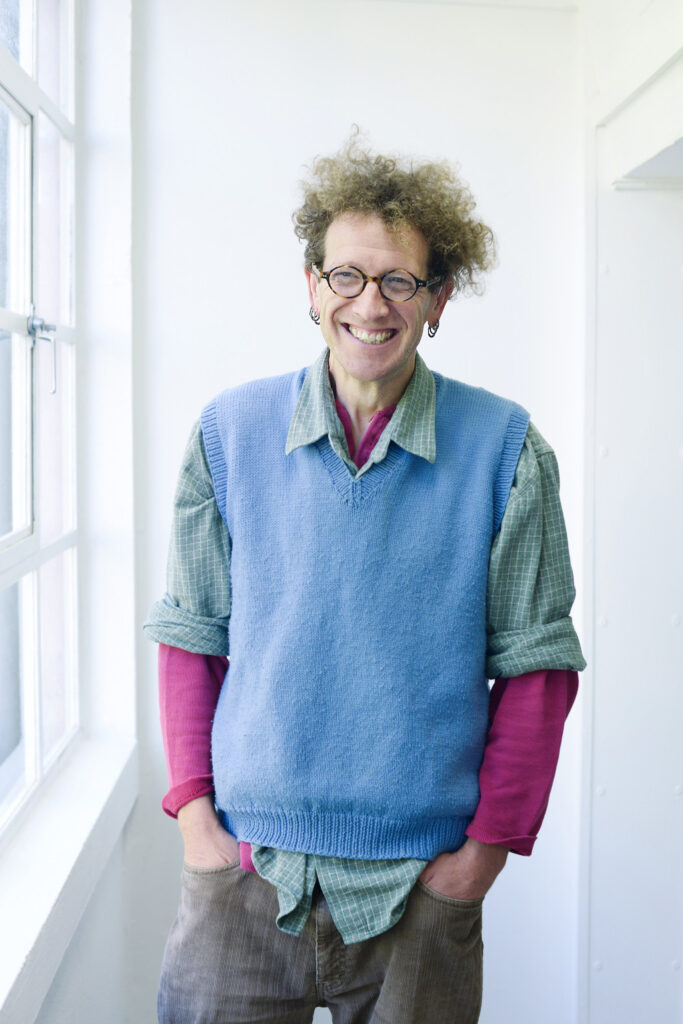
(441, 297)
(313, 285)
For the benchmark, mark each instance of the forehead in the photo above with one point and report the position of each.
(368, 243)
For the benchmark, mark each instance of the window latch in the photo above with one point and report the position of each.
(39, 330)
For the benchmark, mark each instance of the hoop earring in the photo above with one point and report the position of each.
(315, 317)
(432, 329)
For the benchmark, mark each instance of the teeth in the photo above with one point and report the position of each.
(373, 337)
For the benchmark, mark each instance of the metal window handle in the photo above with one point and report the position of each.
(38, 329)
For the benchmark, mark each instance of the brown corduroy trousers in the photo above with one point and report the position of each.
(226, 962)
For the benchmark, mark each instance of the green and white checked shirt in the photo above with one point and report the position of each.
(530, 594)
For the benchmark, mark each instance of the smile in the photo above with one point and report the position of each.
(370, 337)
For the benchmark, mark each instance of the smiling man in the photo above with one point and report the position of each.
(368, 542)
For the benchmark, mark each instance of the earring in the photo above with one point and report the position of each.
(315, 317)
(432, 329)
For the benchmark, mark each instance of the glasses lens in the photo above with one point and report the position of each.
(346, 281)
(398, 285)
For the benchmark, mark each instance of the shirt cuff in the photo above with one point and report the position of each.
(180, 795)
(516, 844)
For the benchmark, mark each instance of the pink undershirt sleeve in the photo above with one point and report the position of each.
(526, 721)
(189, 685)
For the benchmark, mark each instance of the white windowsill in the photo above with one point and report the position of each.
(72, 827)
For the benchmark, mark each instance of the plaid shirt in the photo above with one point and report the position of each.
(530, 594)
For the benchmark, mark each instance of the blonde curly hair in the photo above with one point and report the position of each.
(427, 196)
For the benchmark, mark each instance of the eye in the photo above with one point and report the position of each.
(345, 274)
(398, 283)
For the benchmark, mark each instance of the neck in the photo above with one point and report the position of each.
(362, 399)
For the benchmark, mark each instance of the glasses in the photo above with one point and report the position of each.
(395, 285)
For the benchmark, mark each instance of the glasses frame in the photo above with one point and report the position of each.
(419, 283)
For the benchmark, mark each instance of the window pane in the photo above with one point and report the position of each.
(57, 652)
(12, 760)
(16, 30)
(15, 466)
(14, 208)
(54, 51)
(55, 499)
(9, 26)
(55, 225)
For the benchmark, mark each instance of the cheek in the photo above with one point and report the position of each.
(421, 314)
(330, 305)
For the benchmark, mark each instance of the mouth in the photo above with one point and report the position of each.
(370, 337)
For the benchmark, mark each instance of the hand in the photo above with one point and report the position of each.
(467, 874)
(207, 843)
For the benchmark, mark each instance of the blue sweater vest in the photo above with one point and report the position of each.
(354, 714)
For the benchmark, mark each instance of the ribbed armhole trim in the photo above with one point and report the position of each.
(512, 447)
(214, 453)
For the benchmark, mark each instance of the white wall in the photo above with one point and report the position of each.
(230, 100)
(633, 57)
(627, 43)
(636, 838)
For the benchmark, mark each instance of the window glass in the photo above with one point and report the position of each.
(14, 206)
(54, 443)
(54, 239)
(6, 482)
(49, 47)
(54, 50)
(15, 431)
(57, 652)
(12, 758)
(16, 30)
(9, 26)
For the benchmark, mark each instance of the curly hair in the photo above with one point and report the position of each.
(427, 196)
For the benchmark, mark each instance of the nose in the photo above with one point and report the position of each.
(371, 303)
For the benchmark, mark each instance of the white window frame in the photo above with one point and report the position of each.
(23, 552)
(53, 856)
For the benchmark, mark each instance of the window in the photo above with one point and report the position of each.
(38, 532)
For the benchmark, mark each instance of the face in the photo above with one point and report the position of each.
(371, 339)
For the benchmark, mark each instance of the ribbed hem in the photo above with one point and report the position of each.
(354, 836)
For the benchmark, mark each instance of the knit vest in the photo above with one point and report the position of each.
(353, 717)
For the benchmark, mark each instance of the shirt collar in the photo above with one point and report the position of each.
(412, 426)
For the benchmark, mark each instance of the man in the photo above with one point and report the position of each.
(368, 542)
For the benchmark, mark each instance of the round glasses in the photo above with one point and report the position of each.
(395, 285)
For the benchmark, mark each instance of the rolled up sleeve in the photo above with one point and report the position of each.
(530, 584)
(194, 613)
